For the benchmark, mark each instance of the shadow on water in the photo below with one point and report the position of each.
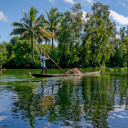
(92, 101)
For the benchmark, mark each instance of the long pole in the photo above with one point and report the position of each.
(52, 60)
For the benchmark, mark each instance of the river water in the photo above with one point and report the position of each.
(64, 102)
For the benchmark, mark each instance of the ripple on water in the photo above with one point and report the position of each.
(11, 78)
(63, 102)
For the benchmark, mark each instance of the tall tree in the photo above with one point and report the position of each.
(43, 34)
(53, 20)
(99, 30)
(70, 36)
(31, 28)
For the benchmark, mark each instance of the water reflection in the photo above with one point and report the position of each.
(0, 71)
(97, 101)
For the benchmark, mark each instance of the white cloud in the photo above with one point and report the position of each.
(2, 17)
(122, 2)
(119, 18)
(53, 1)
(69, 1)
(2, 118)
(84, 16)
(86, 2)
(90, 2)
(118, 27)
(118, 36)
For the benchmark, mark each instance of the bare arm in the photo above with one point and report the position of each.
(44, 53)
(47, 58)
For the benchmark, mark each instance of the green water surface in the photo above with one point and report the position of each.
(64, 102)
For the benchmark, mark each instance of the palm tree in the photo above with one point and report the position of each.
(31, 28)
(44, 33)
(53, 19)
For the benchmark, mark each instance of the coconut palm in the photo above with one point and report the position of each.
(32, 28)
(43, 34)
(53, 19)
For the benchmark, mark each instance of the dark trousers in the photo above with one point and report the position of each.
(42, 69)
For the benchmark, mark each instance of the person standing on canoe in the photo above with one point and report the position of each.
(43, 66)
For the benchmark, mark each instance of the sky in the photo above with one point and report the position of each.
(11, 11)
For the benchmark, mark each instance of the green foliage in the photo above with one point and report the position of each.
(14, 40)
(98, 32)
(89, 42)
(31, 28)
(53, 19)
(10, 49)
(1, 59)
(22, 55)
(70, 37)
(22, 49)
(3, 53)
(120, 56)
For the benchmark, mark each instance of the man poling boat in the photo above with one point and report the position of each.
(72, 72)
(51, 60)
(43, 58)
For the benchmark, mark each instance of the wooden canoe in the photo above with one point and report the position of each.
(97, 73)
(47, 75)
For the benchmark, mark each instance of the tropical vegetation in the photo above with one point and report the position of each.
(80, 40)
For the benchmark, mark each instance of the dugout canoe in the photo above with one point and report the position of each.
(47, 75)
(97, 73)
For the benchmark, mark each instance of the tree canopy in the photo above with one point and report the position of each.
(84, 41)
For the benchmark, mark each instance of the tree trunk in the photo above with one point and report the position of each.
(52, 43)
(32, 47)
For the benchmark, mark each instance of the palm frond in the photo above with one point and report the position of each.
(25, 19)
(17, 24)
(53, 10)
(32, 14)
(24, 34)
(25, 26)
(40, 18)
(48, 16)
(17, 31)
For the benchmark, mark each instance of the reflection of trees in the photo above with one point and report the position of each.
(24, 102)
(92, 99)
(71, 100)
(0, 71)
(32, 105)
(97, 101)
(68, 101)
(86, 100)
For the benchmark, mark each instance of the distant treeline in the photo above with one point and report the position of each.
(83, 41)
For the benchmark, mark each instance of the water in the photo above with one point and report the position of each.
(65, 102)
